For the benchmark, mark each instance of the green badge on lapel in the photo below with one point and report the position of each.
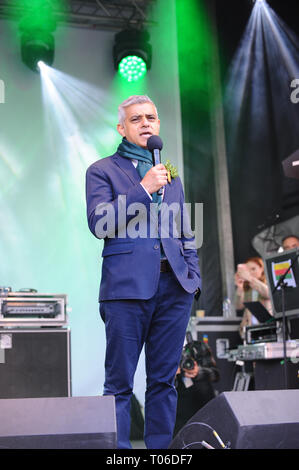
(172, 171)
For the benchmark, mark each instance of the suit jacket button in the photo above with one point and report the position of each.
(156, 247)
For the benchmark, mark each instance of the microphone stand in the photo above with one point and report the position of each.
(282, 284)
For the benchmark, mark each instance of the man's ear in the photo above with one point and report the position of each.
(121, 130)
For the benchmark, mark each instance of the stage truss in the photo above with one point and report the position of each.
(113, 15)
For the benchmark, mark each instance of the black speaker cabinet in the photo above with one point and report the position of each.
(270, 375)
(247, 420)
(58, 423)
(35, 363)
(223, 334)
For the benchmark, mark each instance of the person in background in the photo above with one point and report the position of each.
(251, 284)
(290, 242)
(194, 380)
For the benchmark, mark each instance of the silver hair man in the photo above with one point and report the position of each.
(134, 99)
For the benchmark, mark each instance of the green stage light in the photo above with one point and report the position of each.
(36, 27)
(132, 68)
(132, 54)
(35, 47)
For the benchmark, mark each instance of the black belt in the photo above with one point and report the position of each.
(165, 266)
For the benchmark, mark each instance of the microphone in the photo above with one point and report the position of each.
(155, 145)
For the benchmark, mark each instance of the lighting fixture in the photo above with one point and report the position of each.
(132, 54)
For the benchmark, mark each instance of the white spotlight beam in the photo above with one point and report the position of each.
(239, 73)
(281, 39)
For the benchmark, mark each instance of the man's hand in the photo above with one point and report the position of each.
(155, 178)
(192, 373)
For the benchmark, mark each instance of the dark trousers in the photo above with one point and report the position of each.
(160, 324)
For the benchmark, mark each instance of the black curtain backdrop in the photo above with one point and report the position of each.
(265, 134)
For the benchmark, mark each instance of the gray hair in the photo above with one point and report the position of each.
(134, 99)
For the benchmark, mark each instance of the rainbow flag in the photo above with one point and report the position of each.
(279, 269)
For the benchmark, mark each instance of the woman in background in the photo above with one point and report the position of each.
(251, 284)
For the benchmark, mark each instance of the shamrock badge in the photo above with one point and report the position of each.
(172, 171)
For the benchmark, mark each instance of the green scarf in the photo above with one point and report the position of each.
(134, 152)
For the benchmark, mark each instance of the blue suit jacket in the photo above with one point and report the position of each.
(131, 266)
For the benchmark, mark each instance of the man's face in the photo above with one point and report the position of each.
(290, 243)
(140, 123)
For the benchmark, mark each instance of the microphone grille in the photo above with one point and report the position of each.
(154, 142)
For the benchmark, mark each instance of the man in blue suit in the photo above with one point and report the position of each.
(150, 271)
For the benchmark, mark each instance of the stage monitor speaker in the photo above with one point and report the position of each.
(35, 362)
(58, 423)
(270, 375)
(245, 420)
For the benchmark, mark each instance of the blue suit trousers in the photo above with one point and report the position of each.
(159, 324)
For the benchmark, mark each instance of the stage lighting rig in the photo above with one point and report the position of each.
(36, 47)
(37, 40)
(132, 54)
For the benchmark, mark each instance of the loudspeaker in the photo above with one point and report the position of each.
(35, 363)
(245, 420)
(58, 423)
(269, 375)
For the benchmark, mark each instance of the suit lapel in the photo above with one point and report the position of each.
(126, 165)
(166, 192)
